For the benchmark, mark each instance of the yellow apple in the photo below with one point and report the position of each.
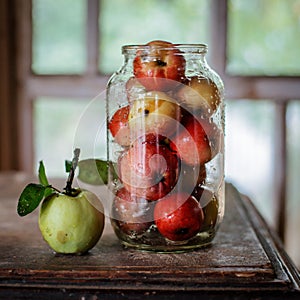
(155, 113)
(200, 93)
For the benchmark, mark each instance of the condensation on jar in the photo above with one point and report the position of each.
(165, 131)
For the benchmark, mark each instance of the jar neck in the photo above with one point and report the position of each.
(194, 54)
(185, 49)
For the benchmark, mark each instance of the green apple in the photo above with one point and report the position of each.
(71, 224)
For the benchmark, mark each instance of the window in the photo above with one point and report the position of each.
(63, 68)
(263, 41)
(177, 21)
(58, 36)
(249, 146)
(59, 49)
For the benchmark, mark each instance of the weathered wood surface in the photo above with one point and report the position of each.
(245, 261)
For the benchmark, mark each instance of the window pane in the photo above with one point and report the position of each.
(58, 36)
(264, 37)
(293, 209)
(61, 125)
(248, 151)
(138, 22)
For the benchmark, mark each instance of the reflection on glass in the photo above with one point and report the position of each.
(58, 45)
(264, 37)
(293, 209)
(248, 151)
(138, 22)
(60, 125)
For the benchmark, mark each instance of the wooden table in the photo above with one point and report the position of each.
(246, 261)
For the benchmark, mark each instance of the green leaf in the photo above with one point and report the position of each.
(42, 175)
(68, 165)
(30, 198)
(49, 191)
(94, 171)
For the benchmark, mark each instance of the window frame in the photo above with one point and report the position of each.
(277, 89)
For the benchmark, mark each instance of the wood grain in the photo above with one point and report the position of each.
(244, 261)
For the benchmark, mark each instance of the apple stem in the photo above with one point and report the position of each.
(68, 189)
(54, 188)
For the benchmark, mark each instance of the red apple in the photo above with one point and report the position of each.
(131, 214)
(192, 143)
(148, 169)
(160, 67)
(178, 217)
(155, 112)
(200, 93)
(118, 126)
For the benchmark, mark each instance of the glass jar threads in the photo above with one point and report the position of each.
(165, 120)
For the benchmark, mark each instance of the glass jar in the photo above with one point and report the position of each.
(165, 120)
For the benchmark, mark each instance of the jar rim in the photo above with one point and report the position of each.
(188, 48)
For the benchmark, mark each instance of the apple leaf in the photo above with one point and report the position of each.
(113, 167)
(30, 198)
(34, 193)
(49, 191)
(94, 171)
(42, 174)
(68, 165)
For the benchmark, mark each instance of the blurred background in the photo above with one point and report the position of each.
(56, 57)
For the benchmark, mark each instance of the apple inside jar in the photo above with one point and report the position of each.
(166, 136)
(149, 172)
